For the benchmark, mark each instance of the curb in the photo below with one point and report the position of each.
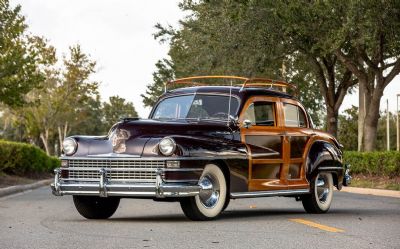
(371, 191)
(20, 188)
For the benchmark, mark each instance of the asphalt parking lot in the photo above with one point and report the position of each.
(36, 219)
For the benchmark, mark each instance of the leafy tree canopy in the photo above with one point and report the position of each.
(21, 60)
(117, 108)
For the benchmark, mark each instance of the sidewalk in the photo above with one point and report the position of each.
(371, 191)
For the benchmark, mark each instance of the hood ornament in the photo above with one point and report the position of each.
(118, 138)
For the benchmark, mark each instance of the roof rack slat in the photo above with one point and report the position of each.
(246, 82)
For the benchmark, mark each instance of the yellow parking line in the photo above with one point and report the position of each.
(319, 226)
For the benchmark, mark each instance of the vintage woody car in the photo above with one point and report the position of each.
(203, 146)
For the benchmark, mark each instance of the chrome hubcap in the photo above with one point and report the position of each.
(322, 186)
(209, 193)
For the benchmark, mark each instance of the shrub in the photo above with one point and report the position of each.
(20, 158)
(377, 163)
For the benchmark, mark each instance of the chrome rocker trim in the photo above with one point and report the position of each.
(269, 193)
(103, 188)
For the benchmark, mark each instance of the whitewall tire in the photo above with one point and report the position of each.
(212, 198)
(320, 199)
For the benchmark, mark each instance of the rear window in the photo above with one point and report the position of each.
(294, 116)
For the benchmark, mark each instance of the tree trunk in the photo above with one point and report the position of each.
(45, 140)
(60, 139)
(371, 128)
(62, 132)
(65, 130)
(371, 120)
(361, 115)
(332, 120)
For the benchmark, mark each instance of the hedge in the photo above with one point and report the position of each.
(21, 158)
(378, 163)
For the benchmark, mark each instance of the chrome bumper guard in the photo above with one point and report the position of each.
(346, 177)
(105, 188)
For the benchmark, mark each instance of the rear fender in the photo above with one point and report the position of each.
(325, 157)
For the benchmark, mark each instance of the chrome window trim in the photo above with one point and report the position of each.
(195, 93)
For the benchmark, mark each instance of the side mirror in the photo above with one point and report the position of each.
(246, 123)
(234, 120)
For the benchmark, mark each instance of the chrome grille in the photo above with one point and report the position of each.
(117, 170)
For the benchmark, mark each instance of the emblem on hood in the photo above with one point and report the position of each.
(118, 138)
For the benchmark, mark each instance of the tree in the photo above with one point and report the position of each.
(33, 119)
(163, 74)
(381, 141)
(67, 101)
(366, 39)
(255, 38)
(348, 128)
(299, 23)
(75, 91)
(89, 120)
(20, 57)
(117, 108)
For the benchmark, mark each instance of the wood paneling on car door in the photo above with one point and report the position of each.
(267, 144)
(298, 134)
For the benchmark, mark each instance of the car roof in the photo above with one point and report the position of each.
(242, 93)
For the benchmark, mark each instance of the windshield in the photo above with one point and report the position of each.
(199, 106)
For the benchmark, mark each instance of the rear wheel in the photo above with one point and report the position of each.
(212, 197)
(320, 199)
(94, 207)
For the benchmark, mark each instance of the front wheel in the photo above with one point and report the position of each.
(212, 197)
(320, 199)
(94, 207)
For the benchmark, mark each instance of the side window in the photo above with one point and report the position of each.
(294, 116)
(261, 113)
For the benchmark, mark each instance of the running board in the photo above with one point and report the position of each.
(293, 192)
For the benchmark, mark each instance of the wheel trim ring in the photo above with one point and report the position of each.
(211, 199)
(322, 189)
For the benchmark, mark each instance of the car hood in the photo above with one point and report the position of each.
(129, 138)
(157, 128)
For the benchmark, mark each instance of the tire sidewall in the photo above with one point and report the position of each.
(94, 207)
(215, 171)
(324, 206)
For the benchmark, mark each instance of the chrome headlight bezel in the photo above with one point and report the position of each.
(69, 146)
(167, 146)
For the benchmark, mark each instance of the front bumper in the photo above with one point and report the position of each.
(104, 188)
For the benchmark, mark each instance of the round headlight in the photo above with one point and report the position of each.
(167, 146)
(69, 146)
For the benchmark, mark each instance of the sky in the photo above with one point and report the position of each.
(118, 35)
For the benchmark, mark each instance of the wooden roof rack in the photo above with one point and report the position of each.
(273, 84)
(245, 82)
